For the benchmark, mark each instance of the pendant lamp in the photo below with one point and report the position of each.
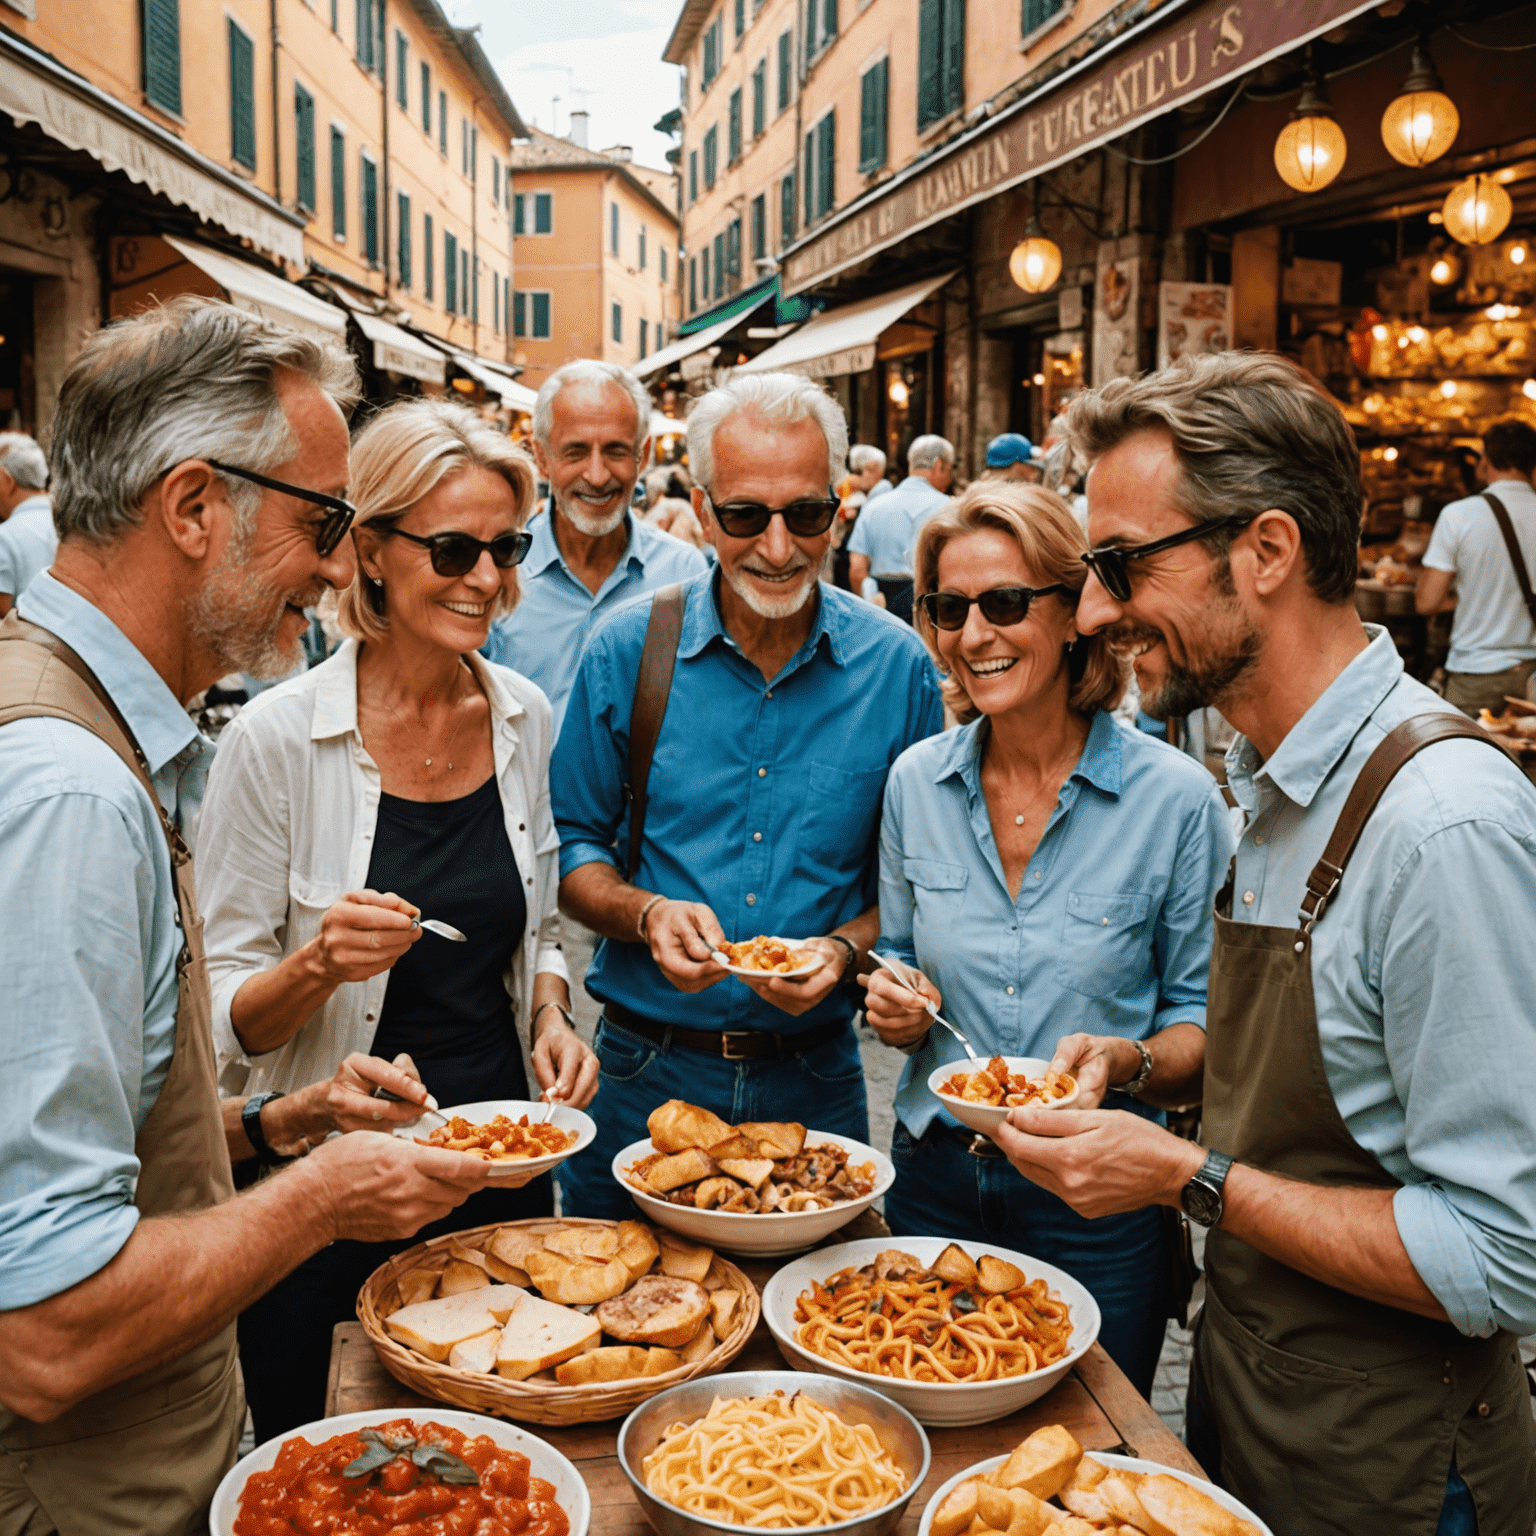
(1310, 150)
(1035, 262)
(1421, 122)
(1477, 210)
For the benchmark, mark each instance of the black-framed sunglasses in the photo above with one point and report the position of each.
(332, 529)
(1000, 605)
(457, 554)
(747, 519)
(1108, 561)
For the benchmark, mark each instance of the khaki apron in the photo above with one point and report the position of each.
(1335, 1414)
(143, 1456)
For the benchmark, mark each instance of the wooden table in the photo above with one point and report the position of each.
(1095, 1401)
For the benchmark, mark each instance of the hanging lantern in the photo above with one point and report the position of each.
(1035, 262)
(1477, 210)
(1421, 121)
(1310, 150)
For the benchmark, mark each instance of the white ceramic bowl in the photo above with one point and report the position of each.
(514, 1109)
(930, 1402)
(759, 1236)
(544, 1460)
(1115, 1463)
(987, 1117)
(807, 968)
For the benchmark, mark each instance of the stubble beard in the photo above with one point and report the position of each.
(238, 617)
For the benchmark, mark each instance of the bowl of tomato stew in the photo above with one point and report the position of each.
(463, 1471)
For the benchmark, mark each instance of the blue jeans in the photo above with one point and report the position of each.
(822, 1089)
(942, 1191)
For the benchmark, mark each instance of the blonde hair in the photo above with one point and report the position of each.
(1041, 523)
(403, 455)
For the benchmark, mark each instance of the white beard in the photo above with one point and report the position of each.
(785, 606)
(583, 521)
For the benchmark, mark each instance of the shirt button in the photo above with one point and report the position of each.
(770, 693)
(1259, 841)
(1104, 921)
(751, 900)
(1247, 898)
(1037, 874)
(757, 837)
(1483, 1410)
(370, 1017)
(762, 773)
(1010, 991)
(521, 827)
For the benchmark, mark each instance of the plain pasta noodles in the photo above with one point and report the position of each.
(773, 1463)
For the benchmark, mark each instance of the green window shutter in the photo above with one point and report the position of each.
(760, 97)
(304, 146)
(370, 211)
(867, 125)
(338, 184)
(402, 94)
(954, 54)
(733, 250)
(810, 176)
(242, 98)
(543, 213)
(403, 219)
(930, 29)
(160, 24)
(426, 98)
(693, 284)
(735, 128)
(693, 175)
(759, 226)
(741, 17)
(517, 215)
(720, 265)
(474, 290)
(464, 283)
(442, 122)
(786, 64)
(541, 330)
(828, 20)
(450, 273)
(618, 323)
(364, 50)
(705, 260)
(826, 163)
(786, 211)
(519, 313)
(613, 228)
(882, 111)
(645, 337)
(428, 257)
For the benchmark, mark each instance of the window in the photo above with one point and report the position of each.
(543, 213)
(403, 247)
(645, 337)
(161, 22)
(496, 180)
(370, 210)
(464, 146)
(719, 289)
(642, 247)
(820, 26)
(873, 91)
(733, 139)
(661, 257)
(704, 264)
(661, 334)
(506, 301)
(304, 146)
(711, 155)
(242, 97)
(335, 17)
(693, 175)
(426, 99)
(450, 273)
(402, 95)
(1038, 12)
(520, 313)
(540, 305)
(786, 70)
(613, 229)
(787, 211)
(517, 215)
(820, 158)
(474, 154)
(693, 284)
(532, 307)
(370, 35)
(473, 285)
(442, 122)
(496, 304)
(338, 183)
(464, 294)
(618, 323)
(733, 255)
(711, 53)
(940, 59)
(759, 226)
(741, 17)
(428, 259)
(759, 97)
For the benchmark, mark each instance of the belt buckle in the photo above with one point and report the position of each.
(727, 1037)
(983, 1147)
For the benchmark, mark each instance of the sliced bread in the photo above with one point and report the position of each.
(476, 1354)
(540, 1334)
(432, 1328)
(657, 1309)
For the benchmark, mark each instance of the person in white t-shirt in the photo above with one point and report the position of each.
(1493, 636)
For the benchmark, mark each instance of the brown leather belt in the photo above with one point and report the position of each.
(969, 1141)
(733, 1045)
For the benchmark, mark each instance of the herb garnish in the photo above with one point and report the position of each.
(427, 1455)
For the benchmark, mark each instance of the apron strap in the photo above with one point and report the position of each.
(1404, 742)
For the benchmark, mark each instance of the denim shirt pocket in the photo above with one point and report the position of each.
(839, 820)
(1104, 944)
(938, 891)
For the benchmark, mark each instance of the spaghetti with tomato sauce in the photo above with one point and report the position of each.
(307, 1492)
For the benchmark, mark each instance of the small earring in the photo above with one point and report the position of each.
(378, 581)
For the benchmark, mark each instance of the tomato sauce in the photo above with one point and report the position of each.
(305, 1491)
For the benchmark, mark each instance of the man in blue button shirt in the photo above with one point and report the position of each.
(789, 703)
(27, 537)
(886, 532)
(590, 554)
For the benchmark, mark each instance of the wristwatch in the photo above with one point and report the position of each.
(1201, 1197)
(250, 1123)
(1132, 1086)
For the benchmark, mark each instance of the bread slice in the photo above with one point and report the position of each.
(684, 1168)
(460, 1276)
(659, 1361)
(638, 1248)
(1045, 1463)
(955, 1265)
(584, 1242)
(684, 1260)
(722, 1311)
(754, 1172)
(417, 1285)
(657, 1309)
(775, 1138)
(957, 1511)
(998, 1275)
(1174, 1508)
(699, 1346)
(476, 1354)
(432, 1328)
(540, 1334)
(576, 1282)
(512, 1245)
(1014, 1510)
(507, 1274)
(675, 1126)
(1119, 1494)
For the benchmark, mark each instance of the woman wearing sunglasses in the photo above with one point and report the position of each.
(1047, 877)
(404, 777)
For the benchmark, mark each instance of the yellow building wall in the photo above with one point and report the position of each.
(638, 290)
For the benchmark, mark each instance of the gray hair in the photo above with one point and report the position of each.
(23, 461)
(195, 378)
(861, 457)
(928, 450)
(590, 371)
(780, 399)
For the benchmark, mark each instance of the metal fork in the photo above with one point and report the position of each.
(899, 971)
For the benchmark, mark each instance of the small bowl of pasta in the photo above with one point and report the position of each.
(980, 1094)
(773, 1450)
(957, 1333)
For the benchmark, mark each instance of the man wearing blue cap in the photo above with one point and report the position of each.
(1011, 456)
(881, 545)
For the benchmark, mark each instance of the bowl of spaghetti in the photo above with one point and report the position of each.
(981, 1097)
(773, 1450)
(902, 1315)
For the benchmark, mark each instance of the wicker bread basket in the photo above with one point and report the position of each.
(531, 1402)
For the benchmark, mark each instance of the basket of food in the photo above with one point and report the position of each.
(556, 1321)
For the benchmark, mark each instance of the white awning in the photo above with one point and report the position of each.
(675, 352)
(518, 396)
(842, 340)
(395, 350)
(264, 293)
(73, 112)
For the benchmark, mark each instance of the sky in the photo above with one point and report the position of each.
(604, 55)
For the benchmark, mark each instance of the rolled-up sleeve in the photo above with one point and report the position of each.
(1182, 941)
(590, 766)
(1459, 1008)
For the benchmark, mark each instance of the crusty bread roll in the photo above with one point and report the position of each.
(955, 1265)
(576, 1282)
(1173, 1508)
(540, 1334)
(638, 1248)
(512, 1245)
(998, 1275)
(508, 1274)
(676, 1126)
(657, 1309)
(584, 1242)
(1045, 1463)
(958, 1510)
(461, 1276)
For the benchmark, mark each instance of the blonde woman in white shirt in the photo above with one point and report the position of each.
(405, 776)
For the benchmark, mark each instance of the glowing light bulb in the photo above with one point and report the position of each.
(1390, 455)
(1517, 253)
(1448, 389)
(1528, 389)
(1402, 341)
(1477, 210)
(897, 392)
(1442, 272)
(1496, 312)
(1380, 332)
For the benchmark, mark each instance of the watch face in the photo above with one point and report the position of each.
(1201, 1203)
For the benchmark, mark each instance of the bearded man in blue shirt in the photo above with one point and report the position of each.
(788, 704)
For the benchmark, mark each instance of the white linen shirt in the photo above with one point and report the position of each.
(287, 830)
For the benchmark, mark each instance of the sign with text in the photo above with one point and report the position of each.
(1209, 44)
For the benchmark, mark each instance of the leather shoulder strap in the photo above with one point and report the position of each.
(1516, 554)
(653, 687)
(1406, 741)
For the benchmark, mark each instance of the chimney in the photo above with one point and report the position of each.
(578, 133)
(620, 152)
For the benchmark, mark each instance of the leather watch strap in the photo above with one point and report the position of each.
(1516, 554)
(653, 686)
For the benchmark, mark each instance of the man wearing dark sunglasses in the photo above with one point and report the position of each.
(1370, 1183)
(788, 701)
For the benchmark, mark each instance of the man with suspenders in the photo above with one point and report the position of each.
(1369, 1134)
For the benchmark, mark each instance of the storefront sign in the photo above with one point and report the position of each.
(1210, 44)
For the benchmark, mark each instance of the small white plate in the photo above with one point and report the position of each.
(565, 1118)
(1115, 1464)
(987, 1117)
(808, 969)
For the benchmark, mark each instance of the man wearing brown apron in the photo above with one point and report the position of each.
(1371, 1036)
(123, 1259)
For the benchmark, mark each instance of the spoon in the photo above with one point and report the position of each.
(899, 972)
(442, 930)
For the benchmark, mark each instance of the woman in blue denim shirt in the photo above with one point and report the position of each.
(1051, 874)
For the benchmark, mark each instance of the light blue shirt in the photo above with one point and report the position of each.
(1111, 930)
(28, 542)
(764, 798)
(89, 935)
(887, 529)
(1423, 972)
(543, 636)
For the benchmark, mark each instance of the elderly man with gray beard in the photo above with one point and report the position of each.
(778, 704)
(591, 440)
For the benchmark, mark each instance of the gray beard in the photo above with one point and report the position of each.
(1187, 689)
(782, 608)
(583, 521)
(239, 618)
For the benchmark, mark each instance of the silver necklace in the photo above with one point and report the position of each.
(447, 751)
